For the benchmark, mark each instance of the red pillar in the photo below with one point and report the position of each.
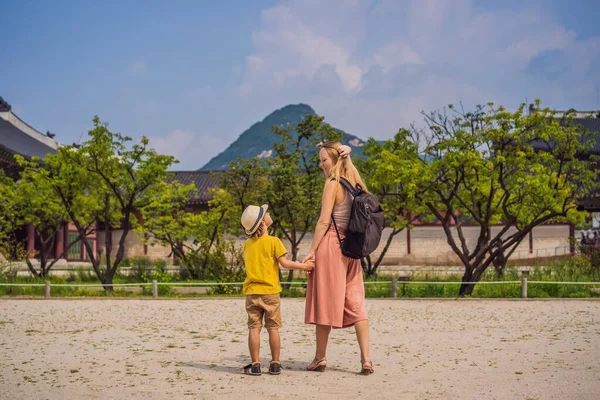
(30, 240)
(60, 243)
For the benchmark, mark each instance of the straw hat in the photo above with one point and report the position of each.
(252, 216)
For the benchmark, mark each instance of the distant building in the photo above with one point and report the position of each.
(17, 137)
(203, 180)
(134, 245)
(590, 121)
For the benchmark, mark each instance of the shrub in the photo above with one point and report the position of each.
(225, 264)
(12, 254)
(141, 268)
(160, 265)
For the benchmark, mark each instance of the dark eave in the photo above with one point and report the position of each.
(203, 180)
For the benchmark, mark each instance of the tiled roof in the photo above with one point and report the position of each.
(591, 124)
(203, 180)
(590, 203)
(4, 106)
(16, 141)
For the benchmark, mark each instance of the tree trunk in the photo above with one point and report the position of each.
(289, 279)
(499, 267)
(290, 276)
(32, 268)
(373, 266)
(44, 268)
(466, 289)
(368, 267)
(107, 282)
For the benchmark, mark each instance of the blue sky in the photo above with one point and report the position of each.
(193, 75)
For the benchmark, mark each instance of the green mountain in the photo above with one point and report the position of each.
(258, 140)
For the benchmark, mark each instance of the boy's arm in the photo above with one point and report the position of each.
(288, 264)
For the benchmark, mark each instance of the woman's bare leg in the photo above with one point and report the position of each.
(362, 335)
(322, 333)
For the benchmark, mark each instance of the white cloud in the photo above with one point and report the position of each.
(370, 67)
(138, 67)
(285, 39)
(265, 153)
(392, 54)
(192, 150)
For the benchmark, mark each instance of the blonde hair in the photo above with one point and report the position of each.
(342, 167)
(260, 230)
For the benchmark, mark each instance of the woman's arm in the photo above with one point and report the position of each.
(325, 217)
(344, 151)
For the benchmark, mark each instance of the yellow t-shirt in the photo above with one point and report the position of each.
(261, 257)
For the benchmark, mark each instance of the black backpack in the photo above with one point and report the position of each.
(365, 226)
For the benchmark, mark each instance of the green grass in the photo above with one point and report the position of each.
(570, 270)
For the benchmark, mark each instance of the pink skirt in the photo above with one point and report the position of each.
(335, 295)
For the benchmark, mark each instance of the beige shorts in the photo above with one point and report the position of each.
(263, 305)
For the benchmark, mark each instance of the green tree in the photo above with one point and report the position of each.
(493, 166)
(8, 207)
(126, 173)
(296, 181)
(290, 182)
(247, 183)
(394, 173)
(41, 207)
(104, 182)
(10, 247)
(191, 236)
(69, 187)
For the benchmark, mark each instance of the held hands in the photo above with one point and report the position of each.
(310, 256)
(309, 265)
(309, 262)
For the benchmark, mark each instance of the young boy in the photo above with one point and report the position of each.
(262, 256)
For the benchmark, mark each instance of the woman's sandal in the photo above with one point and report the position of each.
(367, 368)
(252, 369)
(317, 365)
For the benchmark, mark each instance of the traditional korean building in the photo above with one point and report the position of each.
(134, 245)
(590, 122)
(18, 137)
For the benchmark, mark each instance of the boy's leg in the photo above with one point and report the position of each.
(274, 343)
(272, 304)
(255, 316)
(254, 344)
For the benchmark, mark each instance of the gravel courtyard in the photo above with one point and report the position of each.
(422, 349)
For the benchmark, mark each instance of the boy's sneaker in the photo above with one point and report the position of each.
(275, 368)
(252, 369)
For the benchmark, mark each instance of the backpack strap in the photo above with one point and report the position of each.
(336, 230)
(348, 186)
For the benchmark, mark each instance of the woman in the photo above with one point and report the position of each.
(335, 293)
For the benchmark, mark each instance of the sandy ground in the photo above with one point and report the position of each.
(422, 349)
